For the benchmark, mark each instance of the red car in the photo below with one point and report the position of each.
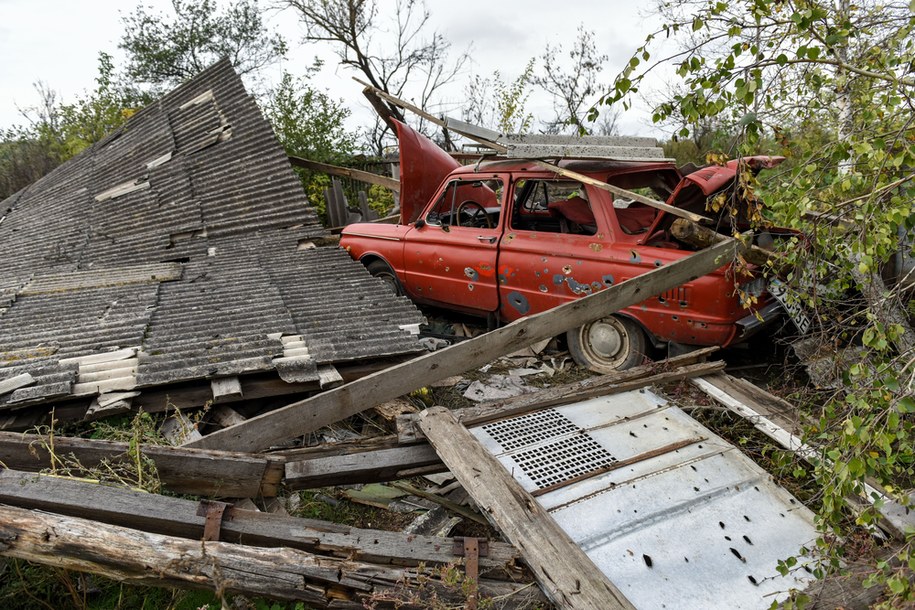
(504, 239)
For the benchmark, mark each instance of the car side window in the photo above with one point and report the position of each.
(553, 206)
(468, 203)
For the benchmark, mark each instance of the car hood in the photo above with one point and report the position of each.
(423, 166)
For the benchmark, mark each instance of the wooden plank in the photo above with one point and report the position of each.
(727, 391)
(329, 376)
(178, 517)
(181, 470)
(368, 466)
(308, 415)
(623, 192)
(429, 117)
(605, 385)
(565, 574)
(355, 174)
(226, 389)
(154, 559)
(697, 235)
(225, 416)
(14, 383)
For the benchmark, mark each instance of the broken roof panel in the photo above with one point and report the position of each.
(670, 512)
(181, 236)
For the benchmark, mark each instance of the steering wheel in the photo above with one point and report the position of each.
(476, 215)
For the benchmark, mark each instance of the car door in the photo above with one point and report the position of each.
(556, 248)
(450, 257)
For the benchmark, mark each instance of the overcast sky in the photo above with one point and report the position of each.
(58, 41)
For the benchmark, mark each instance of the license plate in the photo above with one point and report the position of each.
(794, 309)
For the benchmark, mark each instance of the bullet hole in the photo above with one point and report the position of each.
(721, 524)
(648, 561)
(738, 555)
(752, 580)
(747, 540)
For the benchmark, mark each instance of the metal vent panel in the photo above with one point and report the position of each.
(531, 428)
(562, 459)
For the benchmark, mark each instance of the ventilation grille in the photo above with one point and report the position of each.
(529, 429)
(552, 448)
(676, 296)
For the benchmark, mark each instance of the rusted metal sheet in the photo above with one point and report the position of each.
(674, 514)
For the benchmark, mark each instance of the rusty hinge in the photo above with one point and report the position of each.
(215, 513)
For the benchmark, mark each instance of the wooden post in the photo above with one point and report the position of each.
(328, 407)
(562, 569)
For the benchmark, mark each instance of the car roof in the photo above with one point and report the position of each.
(590, 166)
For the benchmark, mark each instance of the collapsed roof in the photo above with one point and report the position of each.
(181, 247)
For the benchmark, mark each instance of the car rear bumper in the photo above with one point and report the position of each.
(755, 322)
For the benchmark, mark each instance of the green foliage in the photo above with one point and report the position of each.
(830, 87)
(57, 132)
(499, 105)
(164, 51)
(309, 124)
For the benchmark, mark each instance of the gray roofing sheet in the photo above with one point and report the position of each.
(179, 236)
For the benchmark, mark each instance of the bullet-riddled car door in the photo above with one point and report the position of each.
(451, 258)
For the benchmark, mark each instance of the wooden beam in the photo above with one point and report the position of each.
(368, 466)
(565, 574)
(702, 237)
(226, 389)
(308, 415)
(383, 111)
(154, 559)
(355, 174)
(193, 471)
(407, 429)
(660, 205)
(429, 117)
(181, 517)
(780, 427)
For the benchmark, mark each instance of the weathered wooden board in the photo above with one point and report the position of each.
(153, 559)
(567, 576)
(368, 466)
(179, 517)
(310, 414)
(208, 473)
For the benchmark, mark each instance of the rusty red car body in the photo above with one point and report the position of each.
(505, 239)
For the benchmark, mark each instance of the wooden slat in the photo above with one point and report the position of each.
(779, 426)
(178, 517)
(226, 389)
(371, 465)
(206, 473)
(605, 385)
(154, 559)
(562, 569)
(347, 172)
(308, 415)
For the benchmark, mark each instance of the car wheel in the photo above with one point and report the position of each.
(382, 271)
(608, 345)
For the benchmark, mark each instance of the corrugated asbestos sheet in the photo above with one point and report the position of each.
(674, 515)
(177, 249)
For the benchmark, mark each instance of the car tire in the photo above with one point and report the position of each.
(608, 345)
(383, 271)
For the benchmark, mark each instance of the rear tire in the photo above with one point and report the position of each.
(608, 345)
(383, 271)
